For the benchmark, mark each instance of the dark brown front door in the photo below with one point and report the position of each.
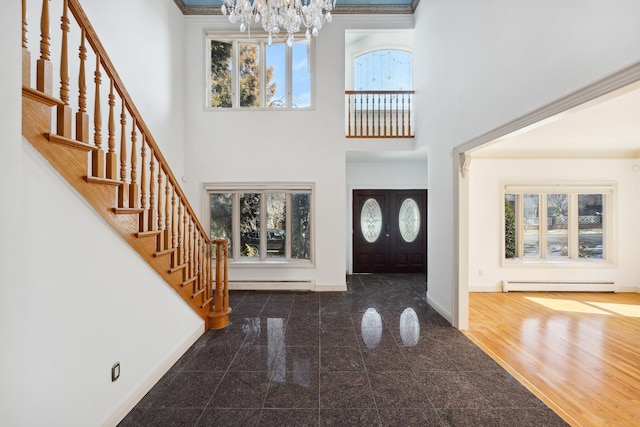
(389, 231)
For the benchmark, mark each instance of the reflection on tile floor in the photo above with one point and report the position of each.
(374, 355)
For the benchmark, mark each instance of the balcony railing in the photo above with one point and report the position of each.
(379, 113)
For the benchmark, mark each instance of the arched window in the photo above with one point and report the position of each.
(385, 69)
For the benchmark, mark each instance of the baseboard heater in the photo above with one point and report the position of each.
(272, 285)
(559, 286)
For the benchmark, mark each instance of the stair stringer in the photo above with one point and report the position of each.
(71, 162)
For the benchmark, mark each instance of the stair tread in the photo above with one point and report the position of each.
(151, 233)
(164, 252)
(195, 294)
(125, 211)
(73, 143)
(104, 181)
(189, 281)
(39, 96)
(177, 268)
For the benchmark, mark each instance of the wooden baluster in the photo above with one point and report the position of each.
(190, 267)
(409, 114)
(207, 277)
(167, 215)
(44, 68)
(403, 124)
(196, 267)
(152, 214)
(82, 118)
(64, 111)
(219, 273)
(361, 128)
(26, 55)
(181, 216)
(367, 116)
(143, 222)
(225, 301)
(349, 114)
(134, 189)
(160, 215)
(123, 190)
(174, 226)
(97, 164)
(209, 282)
(379, 110)
(185, 238)
(385, 115)
(112, 157)
(397, 122)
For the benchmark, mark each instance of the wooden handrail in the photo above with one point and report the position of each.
(379, 92)
(94, 42)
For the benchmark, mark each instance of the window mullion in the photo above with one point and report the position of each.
(572, 226)
(235, 75)
(235, 221)
(289, 75)
(519, 226)
(263, 74)
(263, 225)
(287, 235)
(542, 225)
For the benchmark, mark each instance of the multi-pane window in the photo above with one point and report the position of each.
(556, 224)
(267, 224)
(256, 74)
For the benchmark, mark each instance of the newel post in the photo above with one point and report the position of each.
(219, 316)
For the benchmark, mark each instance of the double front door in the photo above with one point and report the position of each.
(389, 231)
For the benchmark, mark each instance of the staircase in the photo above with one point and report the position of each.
(103, 148)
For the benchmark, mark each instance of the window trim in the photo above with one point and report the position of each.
(262, 39)
(235, 260)
(608, 190)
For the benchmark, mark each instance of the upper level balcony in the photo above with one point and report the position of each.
(379, 113)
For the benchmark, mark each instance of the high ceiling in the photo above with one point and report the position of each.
(212, 7)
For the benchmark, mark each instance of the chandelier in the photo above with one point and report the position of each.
(280, 15)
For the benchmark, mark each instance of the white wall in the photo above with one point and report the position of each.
(486, 206)
(11, 291)
(483, 64)
(264, 146)
(67, 312)
(90, 301)
(391, 175)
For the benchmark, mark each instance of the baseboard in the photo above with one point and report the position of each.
(485, 288)
(126, 407)
(332, 288)
(441, 310)
(544, 286)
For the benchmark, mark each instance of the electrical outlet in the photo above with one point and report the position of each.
(115, 371)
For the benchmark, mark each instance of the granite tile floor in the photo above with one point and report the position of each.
(376, 355)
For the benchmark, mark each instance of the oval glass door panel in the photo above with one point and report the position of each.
(371, 220)
(409, 220)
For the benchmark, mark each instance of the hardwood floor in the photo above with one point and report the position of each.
(578, 352)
